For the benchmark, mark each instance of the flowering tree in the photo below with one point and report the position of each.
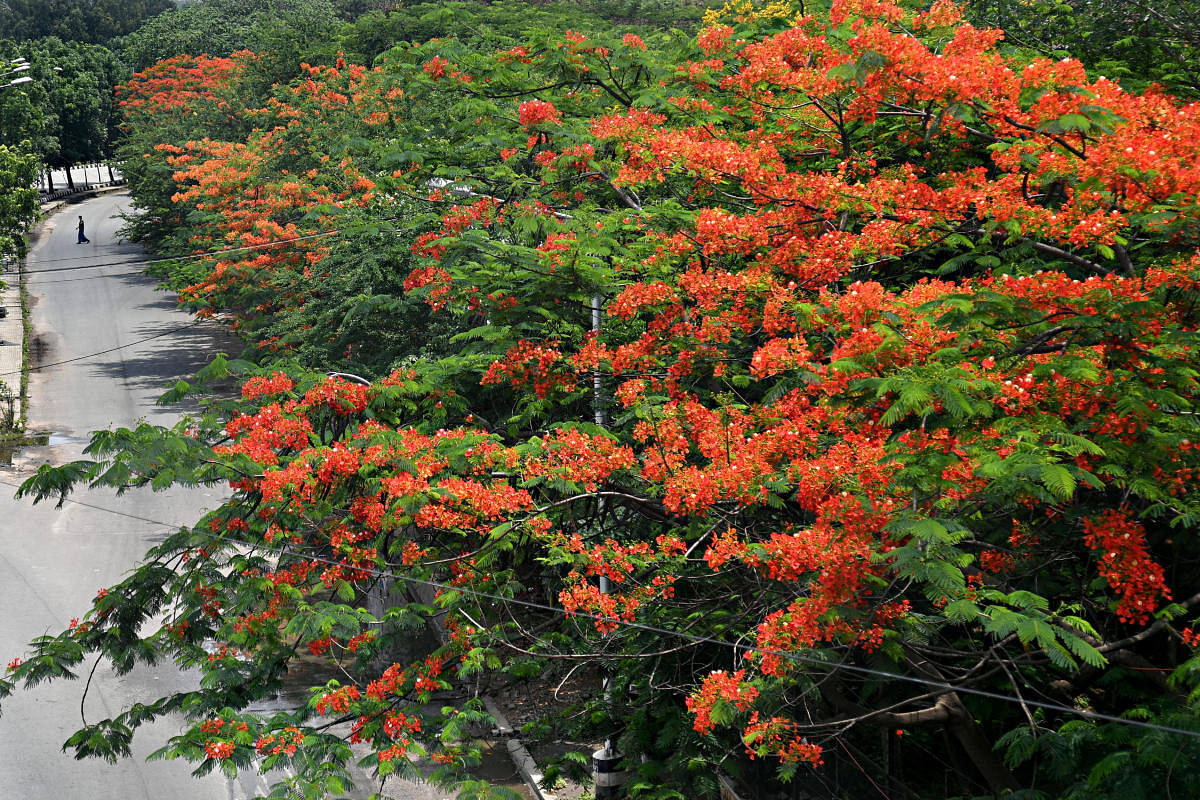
(216, 94)
(841, 375)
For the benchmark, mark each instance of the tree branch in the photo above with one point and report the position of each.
(1067, 255)
(1142, 635)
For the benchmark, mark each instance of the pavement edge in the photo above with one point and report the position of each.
(519, 753)
(26, 343)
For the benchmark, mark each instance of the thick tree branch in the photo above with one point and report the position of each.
(1067, 255)
(1142, 635)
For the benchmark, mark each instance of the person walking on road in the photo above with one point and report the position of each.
(82, 238)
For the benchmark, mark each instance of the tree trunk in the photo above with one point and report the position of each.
(959, 724)
(978, 747)
(70, 181)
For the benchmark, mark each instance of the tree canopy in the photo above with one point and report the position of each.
(1138, 42)
(825, 378)
(68, 110)
(18, 200)
(94, 21)
(220, 27)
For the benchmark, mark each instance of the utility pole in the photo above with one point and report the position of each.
(605, 776)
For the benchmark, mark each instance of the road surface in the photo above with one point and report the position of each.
(53, 561)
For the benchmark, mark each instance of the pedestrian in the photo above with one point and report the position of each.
(82, 238)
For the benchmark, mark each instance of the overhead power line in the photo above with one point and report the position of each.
(163, 260)
(144, 261)
(85, 357)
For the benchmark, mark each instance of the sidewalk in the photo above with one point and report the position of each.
(12, 339)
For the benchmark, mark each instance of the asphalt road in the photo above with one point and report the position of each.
(108, 344)
(53, 561)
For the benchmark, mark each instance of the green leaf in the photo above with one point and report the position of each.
(1058, 480)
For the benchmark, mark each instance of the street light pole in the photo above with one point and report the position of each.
(608, 778)
(17, 66)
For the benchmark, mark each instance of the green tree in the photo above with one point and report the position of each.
(222, 27)
(94, 21)
(376, 32)
(68, 109)
(22, 114)
(1135, 41)
(18, 198)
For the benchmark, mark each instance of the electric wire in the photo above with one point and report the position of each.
(85, 357)
(164, 525)
(744, 650)
(31, 269)
(138, 274)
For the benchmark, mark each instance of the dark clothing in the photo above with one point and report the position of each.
(82, 239)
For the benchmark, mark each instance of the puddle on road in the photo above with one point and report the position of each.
(39, 350)
(10, 446)
(497, 769)
(58, 440)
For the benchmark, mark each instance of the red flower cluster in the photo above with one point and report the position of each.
(286, 742)
(723, 686)
(1126, 564)
(538, 112)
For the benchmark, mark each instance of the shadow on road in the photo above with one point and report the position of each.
(158, 354)
(167, 352)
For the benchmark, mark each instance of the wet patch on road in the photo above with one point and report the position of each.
(39, 351)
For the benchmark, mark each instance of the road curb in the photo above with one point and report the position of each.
(83, 194)
(26, 344)
(519, 753)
